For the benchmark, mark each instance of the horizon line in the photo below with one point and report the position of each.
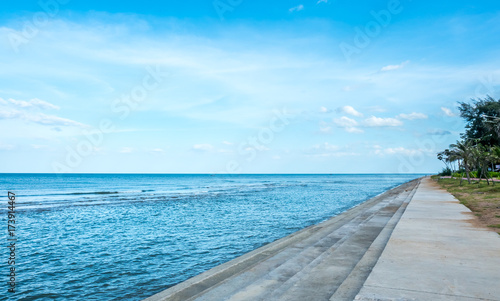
(150, 173)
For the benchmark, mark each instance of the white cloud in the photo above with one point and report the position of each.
(10, 114)
(20, 109)
(296, 8)
(158, 150)
(382, 122)
(324, 110)
(203, 147)
(348, 124)
(396, 151)
(345, 122)
(326, 146)
(413, 116)
(324, 149)
(354, 130)
(227, 143)
(448, 112)
(40, 118)
(34, 103)
(394, 67)
(52, 120)
(322, 1)
(438, 132)
(351, 111)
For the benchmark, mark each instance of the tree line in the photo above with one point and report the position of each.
(478, 150)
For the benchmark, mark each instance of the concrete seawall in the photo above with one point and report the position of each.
(328, 261)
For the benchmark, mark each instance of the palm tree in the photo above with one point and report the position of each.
(495, 153)
(447, 158)
(493, 158)
(463, 151)
(492, 123)
(481, 159)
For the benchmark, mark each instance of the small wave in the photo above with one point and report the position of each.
(97, 192)
(76, 193)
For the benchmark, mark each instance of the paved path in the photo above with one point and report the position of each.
(436, 253)
(388, 248)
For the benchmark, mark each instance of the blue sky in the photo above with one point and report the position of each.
(240, 86)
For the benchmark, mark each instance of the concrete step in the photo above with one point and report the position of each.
(287, 273)
(351, 286)
(335, 266)
(316, 260)
(292, 265)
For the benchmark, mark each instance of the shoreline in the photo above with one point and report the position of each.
(383, 206)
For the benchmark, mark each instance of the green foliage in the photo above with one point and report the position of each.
(477, 129)
(473, 174)
(445, 172)
(479, 148)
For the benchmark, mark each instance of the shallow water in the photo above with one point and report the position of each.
(126, 237)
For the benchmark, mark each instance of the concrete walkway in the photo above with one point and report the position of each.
(387, 248)
(436, 253)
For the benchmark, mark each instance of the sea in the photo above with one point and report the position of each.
(129, 236)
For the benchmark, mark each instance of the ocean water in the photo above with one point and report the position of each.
(129, 236)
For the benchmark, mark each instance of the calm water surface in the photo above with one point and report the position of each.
(127, 237)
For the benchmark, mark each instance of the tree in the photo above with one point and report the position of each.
(493, 155)
(463, 151)
(480, 144)
(447, 158)
(474, 114)
(481, 159)
(492, 123)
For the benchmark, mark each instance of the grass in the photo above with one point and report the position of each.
(482, 199)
